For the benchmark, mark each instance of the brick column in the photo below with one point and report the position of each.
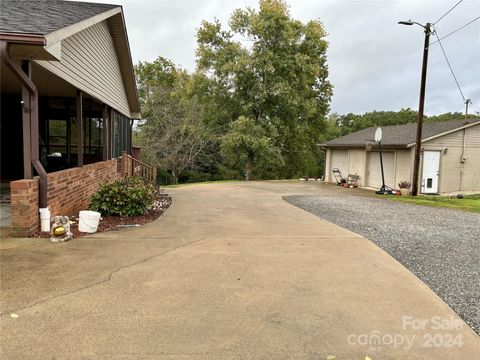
(24, 207)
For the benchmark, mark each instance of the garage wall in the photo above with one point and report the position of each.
(328, 167)
(374, 172)
(454, 175)
(340, 160)
(404, 166)
(357, 164)
(398, 165)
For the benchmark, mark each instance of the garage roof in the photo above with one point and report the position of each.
(401, 135)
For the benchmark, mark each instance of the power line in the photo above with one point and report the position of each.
(454, 6)
(453, 32)
(450, 66)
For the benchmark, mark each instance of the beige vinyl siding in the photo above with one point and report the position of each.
(453, 139)
(455, 175)
(89, 62)
(471, 178)
(404, 166)
(328, 166)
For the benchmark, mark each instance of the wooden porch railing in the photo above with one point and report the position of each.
(134, 167)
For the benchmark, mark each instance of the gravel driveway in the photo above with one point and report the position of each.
(440, 246)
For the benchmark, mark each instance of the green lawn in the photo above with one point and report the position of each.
(198, 183)
(469, 203)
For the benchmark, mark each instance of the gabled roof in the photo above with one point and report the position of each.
(25, 22)
(41, 17)
(401, 135)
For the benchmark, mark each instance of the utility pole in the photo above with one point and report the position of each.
(418, 143)
(467, 101)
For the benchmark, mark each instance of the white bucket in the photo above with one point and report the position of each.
(88, 221)
(44, 219)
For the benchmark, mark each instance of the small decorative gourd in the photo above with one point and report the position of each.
(60, 229)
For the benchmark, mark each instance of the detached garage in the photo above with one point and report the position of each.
(450, 156)
(373, 169)
(340, 160)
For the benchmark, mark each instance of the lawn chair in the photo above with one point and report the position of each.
(338, 177)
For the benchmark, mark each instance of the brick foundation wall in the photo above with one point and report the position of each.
(69, 191)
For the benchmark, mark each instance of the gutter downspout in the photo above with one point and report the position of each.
(27, 82)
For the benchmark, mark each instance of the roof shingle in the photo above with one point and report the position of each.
(41, 17)
(399, 135)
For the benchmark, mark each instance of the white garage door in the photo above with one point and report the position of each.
(340, 161)
(374, 172)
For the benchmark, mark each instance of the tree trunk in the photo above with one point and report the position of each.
(175, 177)
(248, 175)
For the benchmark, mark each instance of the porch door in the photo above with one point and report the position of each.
(431, 169)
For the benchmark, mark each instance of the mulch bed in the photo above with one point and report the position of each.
(112, 223)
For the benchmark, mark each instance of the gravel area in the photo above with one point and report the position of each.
(440, 246)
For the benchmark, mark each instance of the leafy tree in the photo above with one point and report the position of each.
(172, 136)
(271, 69)
(246, 141)
(152, 75)
(449, 116)
(339, 125)
(353, 122)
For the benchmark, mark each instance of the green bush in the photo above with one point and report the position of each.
(125, 197)
(164, 177)
(189, 176)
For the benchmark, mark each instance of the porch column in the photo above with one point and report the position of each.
(105, 155)
(111, 150)
(27, 158)
(79, 128)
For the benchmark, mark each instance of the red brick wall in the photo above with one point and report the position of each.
(69, 191)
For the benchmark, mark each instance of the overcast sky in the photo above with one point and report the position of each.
(374, 63)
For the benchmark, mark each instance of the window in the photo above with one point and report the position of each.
(120, 134)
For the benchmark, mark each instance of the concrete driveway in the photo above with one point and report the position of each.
(230, 271)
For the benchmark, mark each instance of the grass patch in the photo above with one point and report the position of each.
(172, 186)
(469, 203)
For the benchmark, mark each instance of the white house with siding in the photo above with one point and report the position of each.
(68, 96)
(450, 156)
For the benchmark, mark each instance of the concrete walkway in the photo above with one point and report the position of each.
(230, 271)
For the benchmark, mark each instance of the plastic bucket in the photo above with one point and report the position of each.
(88, 221)
(44, 219)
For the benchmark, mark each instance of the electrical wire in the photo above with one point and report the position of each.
(454, 6)
(453, 32)
(450, 66)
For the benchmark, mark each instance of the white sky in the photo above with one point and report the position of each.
(374, 63)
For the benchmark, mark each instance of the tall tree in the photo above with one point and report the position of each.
(172, 135)
(271, 69)
(161, 73)
(249, 139)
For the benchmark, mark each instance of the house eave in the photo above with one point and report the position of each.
(119, 34)
(445, 133)
(29, 46)
(22, 38)
(362, 146)
(116, 23)
(70, 30)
